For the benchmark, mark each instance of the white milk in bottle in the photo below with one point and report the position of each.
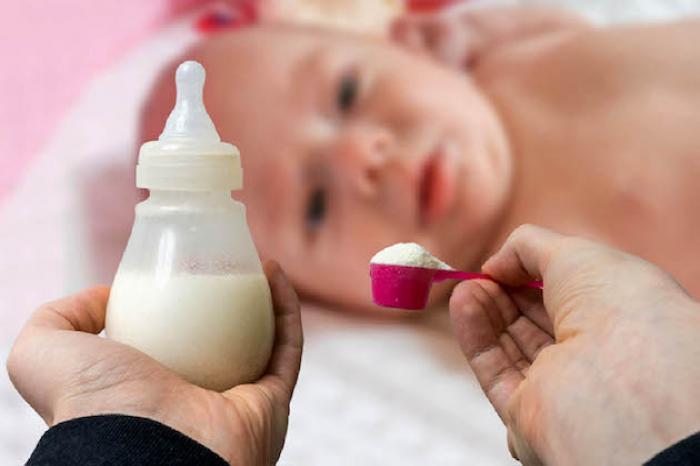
(190, 291)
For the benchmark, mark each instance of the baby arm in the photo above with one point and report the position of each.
(461, 38)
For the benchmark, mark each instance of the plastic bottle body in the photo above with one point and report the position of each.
(190, 291)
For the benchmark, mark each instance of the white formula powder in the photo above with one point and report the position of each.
(408, 254)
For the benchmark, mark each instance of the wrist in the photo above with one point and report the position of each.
(127, 398)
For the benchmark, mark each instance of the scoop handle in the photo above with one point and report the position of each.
(441, 275)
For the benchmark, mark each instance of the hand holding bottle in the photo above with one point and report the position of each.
(64, 370)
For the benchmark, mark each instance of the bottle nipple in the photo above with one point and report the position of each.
(189, 154)
(189, 119)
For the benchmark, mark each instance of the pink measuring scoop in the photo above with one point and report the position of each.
(408, 287)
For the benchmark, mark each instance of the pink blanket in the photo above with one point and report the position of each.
(49, 51)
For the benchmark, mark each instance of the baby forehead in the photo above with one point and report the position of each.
(246, 74)
(277, 46)
(263, 46)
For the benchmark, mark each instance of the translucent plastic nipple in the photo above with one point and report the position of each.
(189, 119)
(189, 154)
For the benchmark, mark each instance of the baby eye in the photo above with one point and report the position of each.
(316, 209)
(347, 92)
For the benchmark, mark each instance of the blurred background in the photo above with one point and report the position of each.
(73, 76)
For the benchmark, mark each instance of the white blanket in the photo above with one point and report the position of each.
(371, 393)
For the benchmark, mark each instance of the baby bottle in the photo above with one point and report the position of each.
(190, 291)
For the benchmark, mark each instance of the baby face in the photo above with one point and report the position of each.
(348, 145)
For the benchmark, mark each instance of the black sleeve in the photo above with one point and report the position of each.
(684, 453)
(117, 440)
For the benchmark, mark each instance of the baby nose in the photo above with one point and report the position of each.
(365, 153)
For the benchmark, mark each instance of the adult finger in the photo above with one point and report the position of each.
(81, 312)
(529, 302)
(524, 256)
(529, 338)
(285, 361)
(471, 305)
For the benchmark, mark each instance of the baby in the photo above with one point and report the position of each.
(477, 124)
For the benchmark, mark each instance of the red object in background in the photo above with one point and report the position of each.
(425, 6)
(245, 12)
(242, 13)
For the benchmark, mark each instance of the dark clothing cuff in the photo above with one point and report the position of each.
(118, 440)
(684, 453)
